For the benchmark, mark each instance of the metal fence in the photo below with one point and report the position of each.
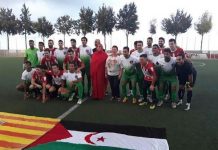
(20, 53)
(12, 53)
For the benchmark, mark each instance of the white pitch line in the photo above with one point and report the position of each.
(71, 109)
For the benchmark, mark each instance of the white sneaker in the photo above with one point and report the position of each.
(149, 98)
(188, 107)
(179, 103)
(173, 105)
(167, 97)
(130, 93)
(140, 99)
(79, 101)
(160, 103)
(71, 97)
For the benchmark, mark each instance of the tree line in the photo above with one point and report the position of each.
(104, 21)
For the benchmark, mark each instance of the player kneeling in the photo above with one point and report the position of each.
(72, 83)
(38, 82)
(56, 75)
(26, 80)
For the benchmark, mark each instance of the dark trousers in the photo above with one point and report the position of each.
(146, 87)
(115, 86)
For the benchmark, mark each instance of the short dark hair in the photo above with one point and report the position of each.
(172, 40)
(60, 41)
(156, 45)
(126, 47)
(150, 38)
(31, 41)
(41, 67)
(161, 38)
(70, 50)
(182, 54)
(135, 43)
(144, 55)
(28, 63)
(84, 38)
(50, 40)
(140, 42)
(55, 65)
(42, 43)
(167, 50)
(115, 47)
(73, 40)
(46, 50)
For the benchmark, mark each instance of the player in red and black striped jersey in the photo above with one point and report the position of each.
(175, 50)
(55, 84)
(51, 47)
(48, 60)
(72, 58)
(39, 81)
(149, 79)
(74, 48)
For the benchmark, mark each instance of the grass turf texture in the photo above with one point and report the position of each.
(196, 129)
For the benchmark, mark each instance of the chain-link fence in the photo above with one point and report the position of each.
(195, 54)
(11, 53)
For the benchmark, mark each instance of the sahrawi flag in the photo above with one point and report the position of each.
(89, 136)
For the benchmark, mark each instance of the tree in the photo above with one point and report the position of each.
(64, 25)
(76, 28)
(204, 25)
(105, 21)
(44, 28)
(8, 23)
(128, 20)
(26, 23)
(176, 24)
(153, 27)
(86, 21)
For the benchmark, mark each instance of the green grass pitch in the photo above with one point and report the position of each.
(193, 130)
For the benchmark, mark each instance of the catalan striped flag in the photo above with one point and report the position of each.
(19, 131)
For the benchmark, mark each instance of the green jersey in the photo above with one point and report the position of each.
(31, 55)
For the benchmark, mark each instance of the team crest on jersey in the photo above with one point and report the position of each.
(131, 62)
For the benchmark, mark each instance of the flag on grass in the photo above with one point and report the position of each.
(18, 131)
(89, 136)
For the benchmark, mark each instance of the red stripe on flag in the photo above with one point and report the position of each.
(25, 126)
(11, 145)
(22, 135)
(27, 119)
(57, 133)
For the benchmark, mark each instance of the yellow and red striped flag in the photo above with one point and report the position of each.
(18, 131)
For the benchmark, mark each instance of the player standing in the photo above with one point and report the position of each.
(85, 53)
(31, 54)
(127, 63)
(60, 53)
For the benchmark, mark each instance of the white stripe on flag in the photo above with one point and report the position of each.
(110, 139)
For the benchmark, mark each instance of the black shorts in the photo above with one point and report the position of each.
(182, 81)
(56, 86)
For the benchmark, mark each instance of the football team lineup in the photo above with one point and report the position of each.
(108, 112)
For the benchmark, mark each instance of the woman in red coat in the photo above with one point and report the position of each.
(99, 81)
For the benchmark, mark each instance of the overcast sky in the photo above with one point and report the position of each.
(146, 10)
